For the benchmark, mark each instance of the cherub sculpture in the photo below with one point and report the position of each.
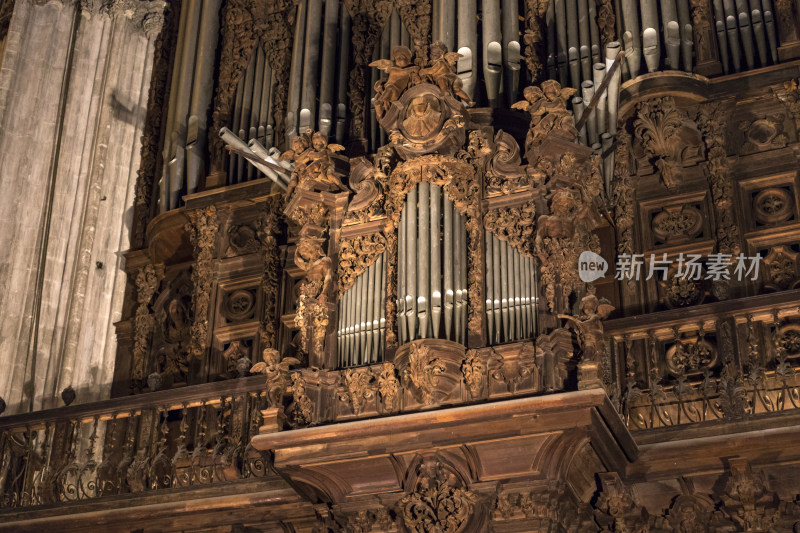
(590, 327)
(401, 75)
(318, 268)
(313, 163)
(277, 372)
(442, 72)
(547, 106)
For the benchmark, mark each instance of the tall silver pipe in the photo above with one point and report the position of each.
(462, 262)
(513, 297)
(263, 153)
(631, 37)
(362, 318)
(405, 38)
(377, 310)
(651, 46)
(526, 287)
(369, 302)
(411, 266)
(449, 294)
(607, 141)
(687, 35)
(328, 65)
(436, 28)
(255, 108)
(612, 51)
(457, 303)
(384, 51)
(504, 289)
(244, 117)
(745, 32)
(492, 50)
(498, 294)
(489, 284)
(373, 118)
(354, 339)
(722, 35)
(264, 109)
(599, 72)
(594, 31)
(733, 33)
(448, 23)
(562, 43)
(769, 24)
(511, 49)
(577, 110)
(552, 39)
(381, 306)
(395, 35)
(197, 134)
(757, 20)
(296, 72)
(573, 44)
(310, 66)
(342, 73)
(436, 260)
(423, 260)
(402, 260)
(672, 33)
(340, 332)
(591, 123)
(269, 133)
(584, 39)
(467, 45)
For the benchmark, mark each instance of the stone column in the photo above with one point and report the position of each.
(73, 90)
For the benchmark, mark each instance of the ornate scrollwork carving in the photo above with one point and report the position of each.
(300, 411)
(148, 278)
(475, 371)
(202, 229)
(623, 195)
(513, 373)
(388, 387)
(691, 356)
(439, 502)
(514, 225)
(711, 121)
(356, 387)
(356, 255)
(781, 268)
(504, 171)
(677, 222)
(534, 37)
(422, 374)
(658, 122)
(619, 510)
(369, 184)
(268, 228)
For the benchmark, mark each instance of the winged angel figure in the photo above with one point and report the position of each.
(590, 328)
(547, 106)
(312, 159)
(401, 75)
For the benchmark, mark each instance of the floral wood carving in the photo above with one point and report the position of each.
(439, 502)
(369, 184)
(623, 195)
(244, 24)
(391, 289)
(606, 22)
(678, 222)
(148, 278)
(534, 37)
(299, 412)
(658, 122)
(547, 107)
(368, 19)
(504, 171)
(475, 371)
(789, 95)
(619, 511)
(416, 16)
(711, 121)
(515, 225)
(267, 231)
(202, 229)
(388, 387)
(422, 374)
(151, 136)
(356, 255)
(356, 387)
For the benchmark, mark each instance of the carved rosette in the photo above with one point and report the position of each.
(712, 121)
(202, 229)
(147, 281)
(356, 255)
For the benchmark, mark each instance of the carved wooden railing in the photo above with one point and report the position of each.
(715, 362)
(189, 437)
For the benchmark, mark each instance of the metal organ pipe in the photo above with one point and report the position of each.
(511, 49)
(562, 46)
(310, 65)
(585, 43)
(361, 317)
(411, 263)
(577, 110)
(602, 103)
(328, 64)
(296, 72)
(449, 294)
(757, 20)
(594, 31)
(746, 32)
(672, 32)
(258, 87)
(447, 26)
(247, 102)
(591, 123)
(733, 33)
(467, 45)
(489, 241)
(492, 50)
(631, 37)
(612, 51)
(687, 34)
(423, 260)
(436, 260)
(550, 28)
(573, 43)
(344, 69)
(651, 47)
(722, 36)
(769, 23)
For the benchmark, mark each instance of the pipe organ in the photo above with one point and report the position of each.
(432, 267)
(362, 322)
(510, 292)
